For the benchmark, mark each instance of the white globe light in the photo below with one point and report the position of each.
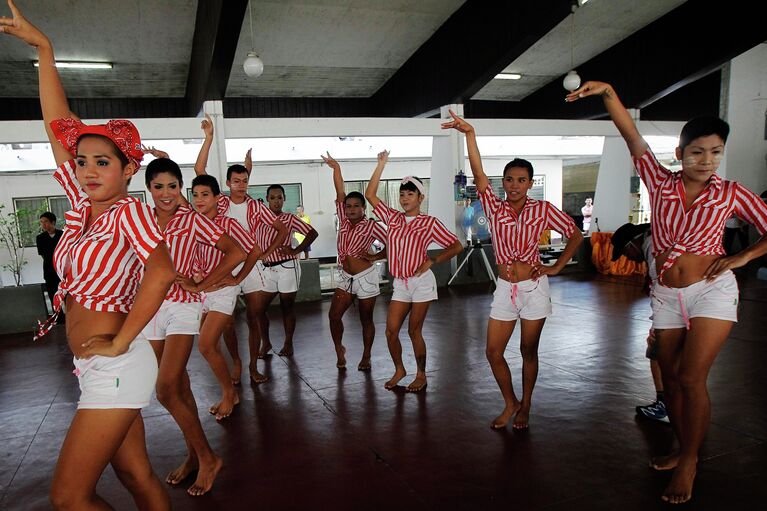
(572, 81)
(253, 65)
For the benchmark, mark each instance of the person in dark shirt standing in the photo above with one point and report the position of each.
(46, 244)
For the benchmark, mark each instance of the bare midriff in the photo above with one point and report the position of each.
(83, 324)
(515, 271)
(354, 265)
(687, 269)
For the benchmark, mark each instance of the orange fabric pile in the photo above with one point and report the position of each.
(601, 254)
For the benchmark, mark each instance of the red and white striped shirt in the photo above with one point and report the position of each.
(207, 257)
(183, 233)
(257, 212)
(265, 235)
(102, 266)
(407, 241)
(516, 235)
(698, 231)
(355, 239)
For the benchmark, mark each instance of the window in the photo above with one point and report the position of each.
(32, 207)
(388, 191)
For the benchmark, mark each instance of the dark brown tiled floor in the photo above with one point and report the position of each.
(318, 438)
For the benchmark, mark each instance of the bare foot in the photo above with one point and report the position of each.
(417, 385)
(236, 371)
(522, 418)
(399, 373)
(286, 351)
(181, 472)
(258, 378)
(506, 415)
(364, 364)
(206, 474)
(341, 355)
(226, 406)
(265, 349)
(668, 462)
(679, 490)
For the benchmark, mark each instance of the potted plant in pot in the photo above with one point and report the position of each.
(20, 306)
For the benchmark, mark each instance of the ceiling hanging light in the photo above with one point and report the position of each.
(253, 65)
(572, 81)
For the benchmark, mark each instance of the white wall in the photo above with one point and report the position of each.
(746, 148)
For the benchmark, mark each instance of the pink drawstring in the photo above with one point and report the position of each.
(683, 309)
(514, 292)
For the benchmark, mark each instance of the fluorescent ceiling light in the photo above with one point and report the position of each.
(80, 65)
(508, 76)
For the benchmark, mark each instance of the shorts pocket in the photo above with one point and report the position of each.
(94, 382)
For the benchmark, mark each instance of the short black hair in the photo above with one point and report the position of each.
(410, 187)
(703, 127)
(355, 195)
(275, 187)
(236, 169)
(50, 216)
(209, 181)
(519, 162)
(161, 166)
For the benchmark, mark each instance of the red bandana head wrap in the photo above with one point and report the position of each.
(123, 133)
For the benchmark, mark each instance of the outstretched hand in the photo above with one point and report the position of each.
(589, 89)
(331, 162)
(154, 151)
(207, 126)
(20, 27)
(458, 124)
(383, 156)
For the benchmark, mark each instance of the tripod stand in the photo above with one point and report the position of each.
(476, 245)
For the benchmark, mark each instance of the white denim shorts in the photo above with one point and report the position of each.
(125, 381)
(174, 318)
(674, 307)
(255, 281)
(422, 288)
(222, 300)
(528, 299)
(364, 284)
(281, 278)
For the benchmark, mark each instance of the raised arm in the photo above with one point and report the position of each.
(618, 113)
(202, 158)
(371, 192)
(249, 160)
(338, 179)
(53, 99)
(475, 160)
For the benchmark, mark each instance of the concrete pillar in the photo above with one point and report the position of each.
(612, 197)
(745, 108)
(217, 160)
(447, 158)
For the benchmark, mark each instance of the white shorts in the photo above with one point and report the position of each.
(364, 284)
(222, 300)
(282, 278)
(126, 381)
(174, 318)
(529, 299)
(673, 307)
(255, 281)
(416, 289)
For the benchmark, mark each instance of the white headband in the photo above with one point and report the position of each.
(417, 183)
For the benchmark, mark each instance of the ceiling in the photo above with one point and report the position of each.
(380, 58)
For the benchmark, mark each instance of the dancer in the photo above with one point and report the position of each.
(357, 275)
(635, 242)
(522, 292)
(281, 271)
(171, 332)
(110, 240)
(695, 302)
(219, 302)
(250, 214)
(409, 235)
